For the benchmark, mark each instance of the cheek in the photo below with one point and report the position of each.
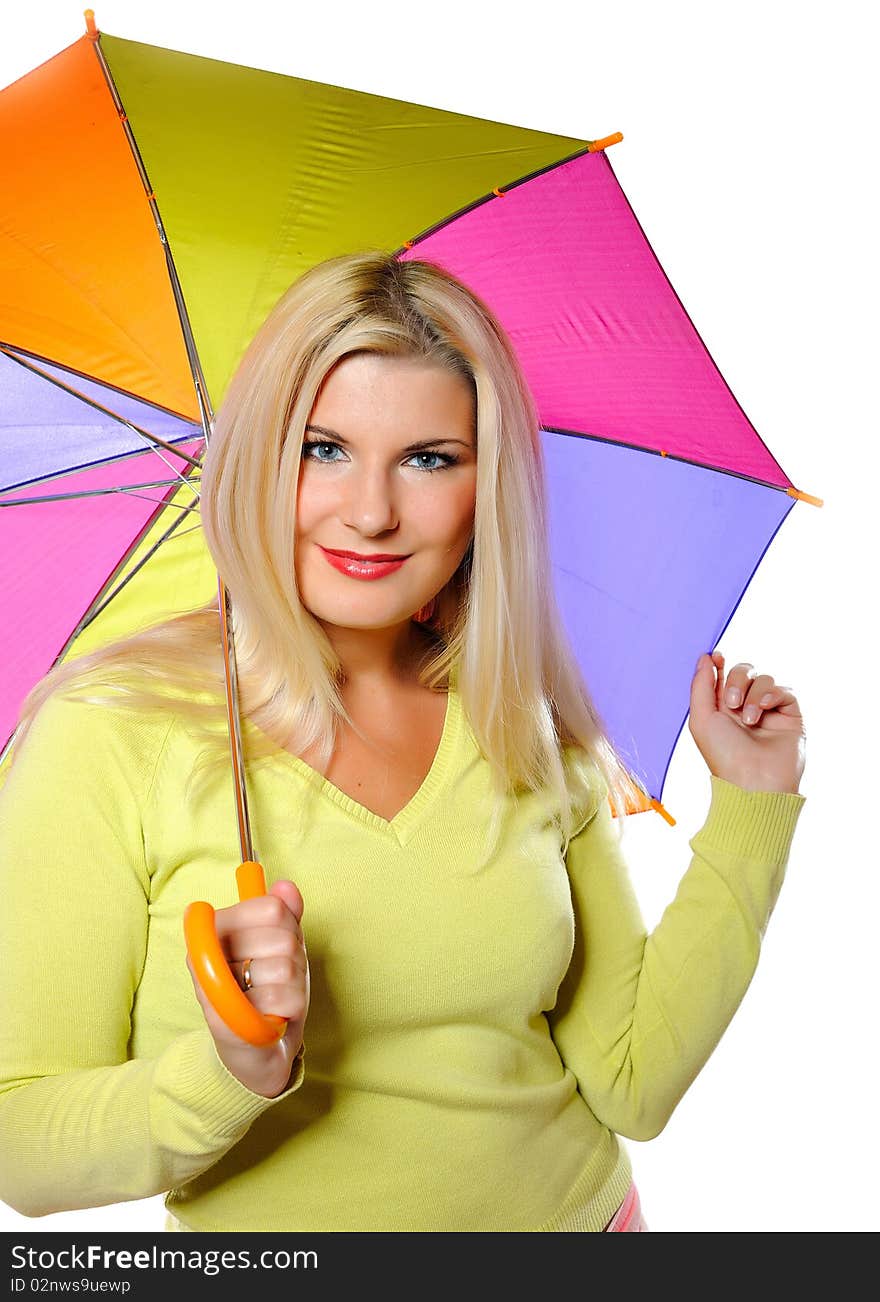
(451, 514)
(314, 499)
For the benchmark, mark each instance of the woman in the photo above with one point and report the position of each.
(450, 924)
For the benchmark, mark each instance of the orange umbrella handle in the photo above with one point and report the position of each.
(226, 996)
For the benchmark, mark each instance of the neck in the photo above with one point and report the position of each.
(379, 659)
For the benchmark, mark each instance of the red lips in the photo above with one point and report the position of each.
(375, 566)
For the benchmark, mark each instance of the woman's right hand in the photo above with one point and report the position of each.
(265, 930)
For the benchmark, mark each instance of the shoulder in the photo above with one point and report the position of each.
(75, 738)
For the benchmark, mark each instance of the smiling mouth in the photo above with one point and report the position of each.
(359, 567)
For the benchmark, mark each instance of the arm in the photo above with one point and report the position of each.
(637, 1016)
(81, 1124)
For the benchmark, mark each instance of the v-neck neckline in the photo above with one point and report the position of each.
(406, 819)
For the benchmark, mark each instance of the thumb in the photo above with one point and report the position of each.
(288, 891)
(703, 692)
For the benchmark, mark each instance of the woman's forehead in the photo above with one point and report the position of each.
(370, 392)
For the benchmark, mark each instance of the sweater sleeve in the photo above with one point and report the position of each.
(83, 1124)
(637, 1016)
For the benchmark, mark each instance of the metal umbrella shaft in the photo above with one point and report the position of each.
(206, 953)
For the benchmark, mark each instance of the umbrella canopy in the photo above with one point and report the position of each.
(150, 195)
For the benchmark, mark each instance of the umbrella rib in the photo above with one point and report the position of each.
(125, 489)
(196, 528)
(169, 506)
(670, 456)
(198, 378)
(589, 148)
(70, 472)
(153, 439)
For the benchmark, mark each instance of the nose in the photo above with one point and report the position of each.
(370, 505)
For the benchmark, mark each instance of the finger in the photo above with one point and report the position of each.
(781, 699)
(751, 706)
(285, 1000)
(264, 911)
(737, 685)
(703, 696)
(775, 694)
(760, 685)
(288, 891)
(277, 969)
(718, 662)
(260, 942)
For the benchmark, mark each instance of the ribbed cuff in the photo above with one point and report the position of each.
(757, 825)
(193, 1076)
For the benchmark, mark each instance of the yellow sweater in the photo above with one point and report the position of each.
(476, 1040)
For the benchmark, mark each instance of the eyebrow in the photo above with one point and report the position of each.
(413, 447)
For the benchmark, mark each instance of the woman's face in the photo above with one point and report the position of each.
(365, 487)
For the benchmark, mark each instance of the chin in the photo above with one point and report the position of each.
(349, 619)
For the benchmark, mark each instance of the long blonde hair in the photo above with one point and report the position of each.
(496, 622)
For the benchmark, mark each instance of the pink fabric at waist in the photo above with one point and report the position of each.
(628, 1218)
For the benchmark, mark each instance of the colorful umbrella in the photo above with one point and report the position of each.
(155, 207)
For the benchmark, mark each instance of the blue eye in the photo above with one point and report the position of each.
(445, 459)
(308, 447)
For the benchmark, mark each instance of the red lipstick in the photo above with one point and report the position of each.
(358, 565)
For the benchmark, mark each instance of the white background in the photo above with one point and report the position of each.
(749, 158)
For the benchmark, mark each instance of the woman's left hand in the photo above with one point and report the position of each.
(764, 755)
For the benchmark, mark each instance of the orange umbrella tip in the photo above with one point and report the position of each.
(663, 811)
(595, 145)
(805, 497)
(91, 30)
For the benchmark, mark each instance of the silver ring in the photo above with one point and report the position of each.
(246, 980)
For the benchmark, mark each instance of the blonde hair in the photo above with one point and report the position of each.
(496, 621)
